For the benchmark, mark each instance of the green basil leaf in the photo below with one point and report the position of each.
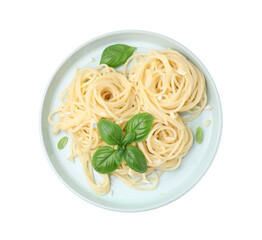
(105, 160)
(116, 55)
(120, 153)
(129, 138)
(140, 124)
(135, 159)
(110, 132)
(199, 135)
(62, 143)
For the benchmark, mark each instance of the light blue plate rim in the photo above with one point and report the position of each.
(220, 120)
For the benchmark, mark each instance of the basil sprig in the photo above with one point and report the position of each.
(116, 55)
(107, 159)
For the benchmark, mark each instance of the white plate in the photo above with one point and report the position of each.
(173, 184)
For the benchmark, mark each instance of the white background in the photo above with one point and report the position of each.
(35, 38)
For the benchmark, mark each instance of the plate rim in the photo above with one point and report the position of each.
(204, 170)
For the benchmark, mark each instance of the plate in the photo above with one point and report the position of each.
(172, 185)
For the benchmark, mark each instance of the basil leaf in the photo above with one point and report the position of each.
(135, 159)
(110, 132)
(129, 138)
(106, 160)
(199, 135)
(62, 143)
(141, 124)
(116, 55)
(120, 153)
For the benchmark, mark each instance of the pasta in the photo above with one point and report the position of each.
(162, 83)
